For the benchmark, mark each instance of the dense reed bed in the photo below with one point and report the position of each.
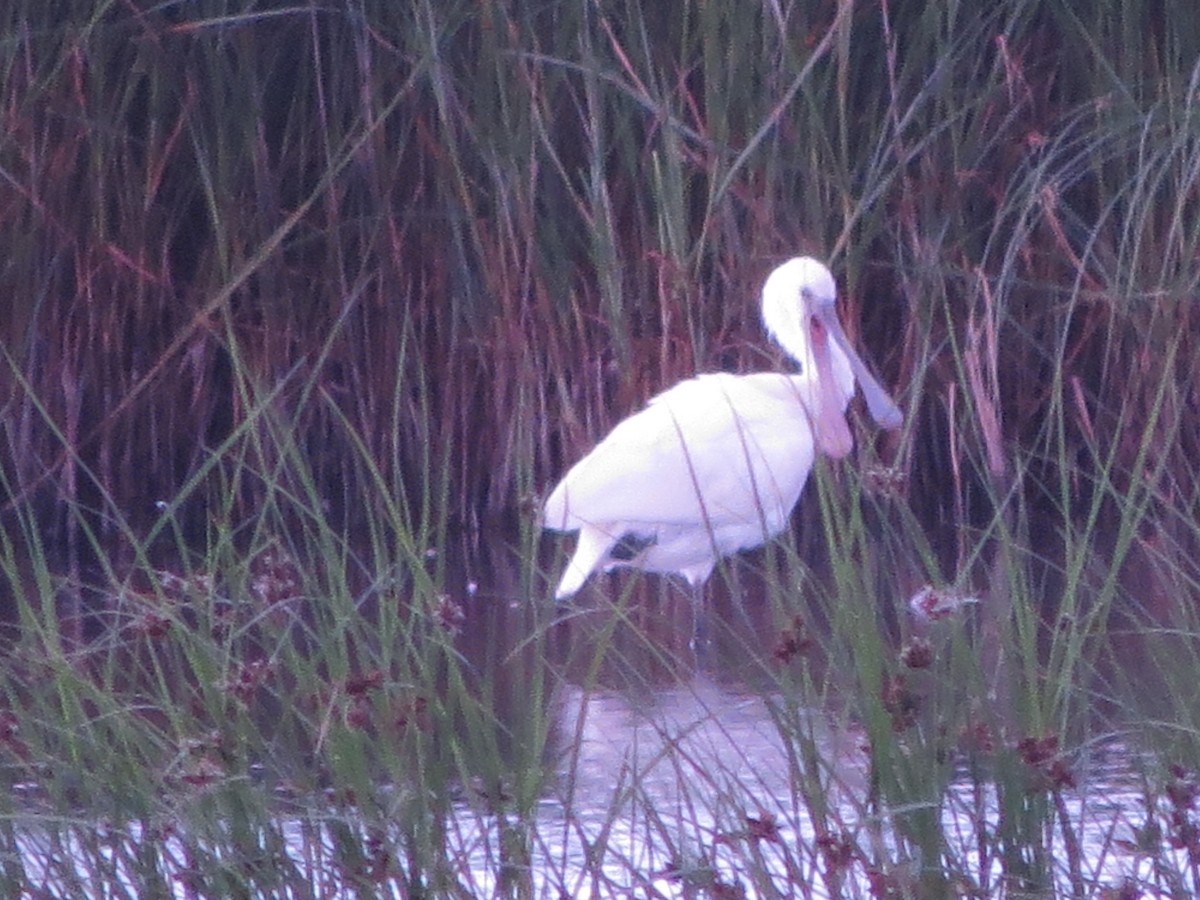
(301, 298)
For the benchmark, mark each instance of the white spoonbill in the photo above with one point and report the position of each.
(715, 464)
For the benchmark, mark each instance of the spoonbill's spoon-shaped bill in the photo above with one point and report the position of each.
(716, 463)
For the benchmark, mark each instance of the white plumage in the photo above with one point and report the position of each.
(716, 463)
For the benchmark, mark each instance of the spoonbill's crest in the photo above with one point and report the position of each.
(716, 463)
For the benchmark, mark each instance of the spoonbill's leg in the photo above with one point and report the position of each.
(701, 637)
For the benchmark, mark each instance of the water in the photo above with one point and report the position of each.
(666, 784)
(671, 774)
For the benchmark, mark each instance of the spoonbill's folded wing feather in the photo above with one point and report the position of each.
(711, 450)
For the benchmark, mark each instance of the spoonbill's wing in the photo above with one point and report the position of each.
(714, 449)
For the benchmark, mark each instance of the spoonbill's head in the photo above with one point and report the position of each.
(799, 310)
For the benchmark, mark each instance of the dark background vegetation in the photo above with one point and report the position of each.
(250, 244)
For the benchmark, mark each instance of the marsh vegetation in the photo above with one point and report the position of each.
(303, 307)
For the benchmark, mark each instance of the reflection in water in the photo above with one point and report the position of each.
(668, 794)
(677, 769)
(673, 757)
(680, 772)
(693, 743)
(698, 766)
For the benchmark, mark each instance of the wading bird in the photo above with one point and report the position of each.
(716, 463)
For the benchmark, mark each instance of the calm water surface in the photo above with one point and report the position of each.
(667, 753)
